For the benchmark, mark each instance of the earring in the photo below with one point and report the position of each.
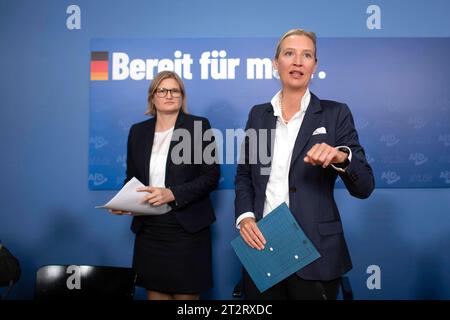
(276, 74)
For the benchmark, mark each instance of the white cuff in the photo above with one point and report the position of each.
(247, 214)
(349, 157)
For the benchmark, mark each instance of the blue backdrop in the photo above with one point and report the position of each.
(48, 213)
(403, 120)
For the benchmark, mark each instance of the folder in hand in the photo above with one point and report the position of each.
(286, 251)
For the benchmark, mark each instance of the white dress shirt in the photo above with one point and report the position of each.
(158, 160)
(277, 190)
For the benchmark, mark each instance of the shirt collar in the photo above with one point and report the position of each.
(277, 107)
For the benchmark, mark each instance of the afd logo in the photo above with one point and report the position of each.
(445, 139)
(122, 160)
(391, 177)
(362, 124)
(124, 125)
(389, 139)
(418, 158)
(417, 122)
(369, 159)
(98, 142)
(97, 179)
(446, 176)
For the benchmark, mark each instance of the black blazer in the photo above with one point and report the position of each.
(190, 183)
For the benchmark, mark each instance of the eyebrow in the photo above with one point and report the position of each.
(310, 50)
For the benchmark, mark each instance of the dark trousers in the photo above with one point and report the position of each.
(293, 288)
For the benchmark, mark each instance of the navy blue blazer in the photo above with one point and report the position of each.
(191, 183)
(311, 198)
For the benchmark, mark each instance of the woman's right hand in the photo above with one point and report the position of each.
(251, 234)
(119, 212)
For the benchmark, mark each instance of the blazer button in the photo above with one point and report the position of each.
(292, 189)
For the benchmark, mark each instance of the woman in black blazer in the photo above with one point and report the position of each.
(172, 252)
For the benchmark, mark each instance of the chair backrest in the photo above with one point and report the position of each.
(84, 282)
(9, 267)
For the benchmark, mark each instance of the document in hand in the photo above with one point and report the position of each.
(286, 251)
(128, 199)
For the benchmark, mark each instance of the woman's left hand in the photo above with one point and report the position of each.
(157, 196)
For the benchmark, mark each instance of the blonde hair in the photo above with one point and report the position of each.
(297, 32)
(151, 108)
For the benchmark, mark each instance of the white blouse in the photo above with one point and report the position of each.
(158, 160)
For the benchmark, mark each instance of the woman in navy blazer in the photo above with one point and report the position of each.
(315, 141)
(172, 252)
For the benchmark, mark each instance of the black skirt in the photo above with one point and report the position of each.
(169, 259)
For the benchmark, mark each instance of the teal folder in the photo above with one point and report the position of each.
(286, 251)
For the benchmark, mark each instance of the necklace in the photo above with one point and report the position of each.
(280, 101)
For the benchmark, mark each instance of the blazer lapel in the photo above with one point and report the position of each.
(269, 123)
(179, 123)
(310, 122)
(148, 143)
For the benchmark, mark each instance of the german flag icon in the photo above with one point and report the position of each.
(99, 65)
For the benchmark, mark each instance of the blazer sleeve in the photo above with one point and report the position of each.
(131, 170)
(358, 177)
(206, 180)
(244, 191)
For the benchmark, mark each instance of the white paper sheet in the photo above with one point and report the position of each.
(128, 199)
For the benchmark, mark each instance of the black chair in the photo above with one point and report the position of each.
(9, 270)
(346, 289)
(84, 282)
